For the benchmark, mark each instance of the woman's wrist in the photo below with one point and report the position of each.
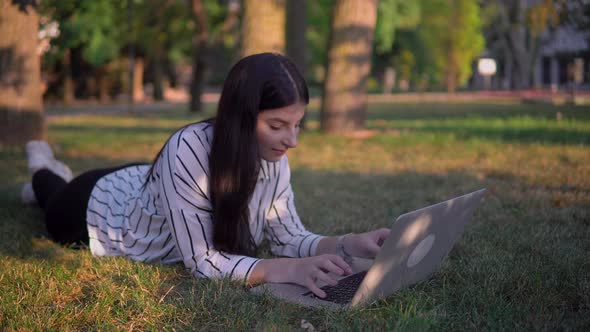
(343, 247)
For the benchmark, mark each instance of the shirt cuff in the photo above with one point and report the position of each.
(308, 245)
(314, 245)
(243, 268)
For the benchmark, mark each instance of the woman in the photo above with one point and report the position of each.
(215, 190)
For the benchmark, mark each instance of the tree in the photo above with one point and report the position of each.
(317, 35)
(91, 32)
(97, 26)
(105, 37)
(393, 15)
(520, 27)
(295, 35)
(21, 107)
(162, 35)
(344, 101)
(295, 31)
(215, 24)
(451, 31)
(413, 60)
(62, 12)
(263, 26)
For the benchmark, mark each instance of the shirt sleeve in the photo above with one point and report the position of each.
(284, 230)
(184, 181)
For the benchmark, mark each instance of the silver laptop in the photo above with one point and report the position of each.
(418, 243)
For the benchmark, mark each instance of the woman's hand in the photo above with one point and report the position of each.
(365, 244)
(309, 272)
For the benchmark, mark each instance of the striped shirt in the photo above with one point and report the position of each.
(171, 219)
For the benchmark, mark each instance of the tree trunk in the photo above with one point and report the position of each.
(104, 86)
(68, 92)
(451, 83)
(521, 56)
(200, 54)
(344, 103)
(295, 30)
(21, 106)
(296, 41)
(451, 79)
(522, 51)
(138, 80)
(158, 78)
(198, 79)
(263, 26)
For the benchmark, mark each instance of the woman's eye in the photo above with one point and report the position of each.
(274, 128)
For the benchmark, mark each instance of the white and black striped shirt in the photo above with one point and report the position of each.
(171, 220)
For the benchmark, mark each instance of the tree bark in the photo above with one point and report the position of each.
(138, 66)
(344, 103)
(158, 78)
(200, 56)
(451, 79)
(295, 30)
(104, 85)
(68, 92)
(21, 105)
(205, 47)
(296, 41)
(519, 42)
(452, 65)
(263, 26)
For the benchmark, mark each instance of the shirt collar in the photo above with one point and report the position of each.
(268, 169)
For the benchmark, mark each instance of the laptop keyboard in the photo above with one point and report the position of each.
(344, 291)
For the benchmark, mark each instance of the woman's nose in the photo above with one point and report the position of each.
(290, 141)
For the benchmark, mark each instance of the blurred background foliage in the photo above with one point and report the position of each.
(431, 44)
(178, 50)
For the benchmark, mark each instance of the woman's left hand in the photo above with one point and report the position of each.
(365, 244)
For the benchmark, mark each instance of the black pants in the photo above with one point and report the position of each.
(65, 203)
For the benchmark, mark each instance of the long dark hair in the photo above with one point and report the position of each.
(256, 83)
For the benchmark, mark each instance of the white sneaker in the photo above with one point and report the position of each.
(40, 156)
(27, 195)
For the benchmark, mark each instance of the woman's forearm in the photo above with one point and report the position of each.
(269, 270)
(327, 245)
(275, 269)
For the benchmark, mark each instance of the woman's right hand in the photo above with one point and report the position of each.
(309, 272)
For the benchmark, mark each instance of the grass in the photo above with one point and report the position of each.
(522, 263)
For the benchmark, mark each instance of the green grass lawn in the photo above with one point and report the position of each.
(522, 263)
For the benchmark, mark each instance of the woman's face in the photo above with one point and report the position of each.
(277, 130)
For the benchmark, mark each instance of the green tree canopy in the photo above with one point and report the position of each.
(393, 15)
(451, 31)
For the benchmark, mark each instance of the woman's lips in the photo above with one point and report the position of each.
(279, 152)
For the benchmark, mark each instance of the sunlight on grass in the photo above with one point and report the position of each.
(521, 264)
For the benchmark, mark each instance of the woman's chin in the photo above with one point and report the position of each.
(273, 158)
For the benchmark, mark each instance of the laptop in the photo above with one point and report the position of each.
(416, 247)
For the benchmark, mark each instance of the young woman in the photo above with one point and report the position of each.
(215, 190)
